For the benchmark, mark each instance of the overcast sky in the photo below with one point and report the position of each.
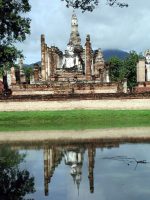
(121, 28)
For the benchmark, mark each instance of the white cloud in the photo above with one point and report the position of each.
(126, 28)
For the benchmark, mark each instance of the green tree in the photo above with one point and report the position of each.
(14, 27)
(1, 73)
(89, 5)
(121, 69)
(14, 183)
(116, 69)
(130, 65)
(28, 72)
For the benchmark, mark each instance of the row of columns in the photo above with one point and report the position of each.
(51, 59)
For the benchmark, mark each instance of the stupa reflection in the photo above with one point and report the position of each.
(73, 156)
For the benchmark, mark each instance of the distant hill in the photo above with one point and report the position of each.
(32, 64)
(108, 53)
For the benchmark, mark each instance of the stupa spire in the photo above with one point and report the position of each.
(75, 39)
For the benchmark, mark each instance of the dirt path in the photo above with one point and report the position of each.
(76, 104)
(115, 133)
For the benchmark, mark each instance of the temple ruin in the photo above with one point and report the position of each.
(78, 70)
(77, 63)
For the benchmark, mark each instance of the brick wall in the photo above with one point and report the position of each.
(64, 88)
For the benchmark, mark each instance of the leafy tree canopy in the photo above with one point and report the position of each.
(14, 27)
(121, 69)
(130, 66)
(89, 5)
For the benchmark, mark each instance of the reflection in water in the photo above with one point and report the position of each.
(14, 182)
(127, 160)
(91, 156)
(52, 158)
(73, 156)
(61, 170)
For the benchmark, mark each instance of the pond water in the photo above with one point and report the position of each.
(70, 171)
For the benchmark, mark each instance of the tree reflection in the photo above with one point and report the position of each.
(14, 182)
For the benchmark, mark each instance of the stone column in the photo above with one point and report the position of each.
(51, 62)
(46, 62)
(59, 59)
(9, 79)
(141, 71)
(55, 60)
(43, 57)
(107, 76)
(125, 86)
(88, 58)
(148, 72)
(92, 67)
(13, 76)
(22, 74)
(36, 73)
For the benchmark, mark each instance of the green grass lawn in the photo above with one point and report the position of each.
(73, 120)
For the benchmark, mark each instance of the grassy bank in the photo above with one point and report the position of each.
(73, 120)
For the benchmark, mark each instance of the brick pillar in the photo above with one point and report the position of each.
(91, 155)
(53, 61)
(43, 57)
(22, 74)
(46, 62)
(49, 63)
(51, 57)
(13, 76)
(36, 73)
(141, 71)
(88, 60)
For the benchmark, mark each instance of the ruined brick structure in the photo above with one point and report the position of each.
(77, 63)
(78, 70)
(76, 67)
(143, 73)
